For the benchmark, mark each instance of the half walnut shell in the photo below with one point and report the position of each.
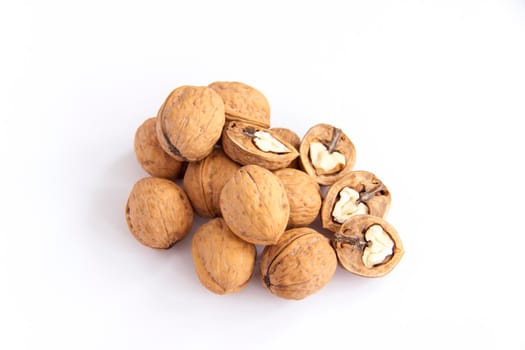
(326, 153)
(368, 246)
(203, 182)
(249, 144)
(243, 103)
(359, 192)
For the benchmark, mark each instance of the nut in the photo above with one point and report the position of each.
(151, 156)
(243, 103)
(300, 264)
(326, 153)
(358, 192)
(248, 144)
(267, 143)
(190, 122)
(204, 179)
(368, 246)
(304, 196)
(224, 263)
(158, 212)
(254, 205)
(292, 138)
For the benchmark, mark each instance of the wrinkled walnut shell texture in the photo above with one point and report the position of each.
(254, 205)
(325, 133)
(204, 180)
(240, 147)
(360, 181)
(158, 212)
(224, 263)
(243, 103)
(350, 254)
(304, 196)
(190, 122)
(151, 156)
(300, 264)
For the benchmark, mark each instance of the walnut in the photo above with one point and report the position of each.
(304, 196)
(358, 192)
(151, 156)
(326, 153)
(254, 205)
(292, 138)
(368, 246)
(300, 264)
(247, 144)
(224, 263)
(203, 182)
(158, 212)
(190, 122)
(243, 103)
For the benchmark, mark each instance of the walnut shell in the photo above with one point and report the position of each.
(304, 196)
(158, 212)
(300, 264)
(151, 156)
(224, 263)
(350, 243)
(292, 138)
(190, 122)
(254, 205)
(372, 192)
(238, 142)
(243, 103)
(203, 182)
(334, 141)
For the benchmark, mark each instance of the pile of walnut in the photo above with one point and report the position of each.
(261, 186)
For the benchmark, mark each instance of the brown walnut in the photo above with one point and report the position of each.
(254, 205)
(362, 251)
(303, 194)
(249, 144)
(190, 122)
(151, 156)
(326, 153)
(300, 264)
(243, 103)
(358, 192)
(204, 179)
(224, 263)
(158, 212)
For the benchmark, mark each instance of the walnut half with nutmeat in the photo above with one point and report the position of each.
(326, 153)
(357, 193)
(248, 144)
(368, 246)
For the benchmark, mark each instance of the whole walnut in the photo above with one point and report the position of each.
(204, 180)
(243, 103)
(304, 196)
(224, 263)
(151, 156)
(158, 212)
(254, 205)
(190, 122)
(300, 264)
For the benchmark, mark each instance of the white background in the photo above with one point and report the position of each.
(432, 94)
